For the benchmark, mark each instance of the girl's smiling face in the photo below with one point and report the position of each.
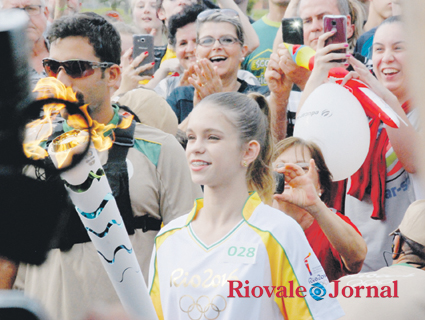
(144, 16)
(214, 150)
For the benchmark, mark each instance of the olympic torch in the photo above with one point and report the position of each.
(91, 194)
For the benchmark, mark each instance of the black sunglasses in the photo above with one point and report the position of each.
(74, 68)
(227, 12)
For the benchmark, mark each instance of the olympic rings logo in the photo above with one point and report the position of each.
(196, 309)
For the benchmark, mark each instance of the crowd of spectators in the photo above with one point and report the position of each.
(226, 91)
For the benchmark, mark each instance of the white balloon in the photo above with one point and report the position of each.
(334, 119)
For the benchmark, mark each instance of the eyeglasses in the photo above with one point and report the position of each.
(32, 10)
(224, 41)
(304, 165)
(396, 233)
(74, 68)
(227, 12)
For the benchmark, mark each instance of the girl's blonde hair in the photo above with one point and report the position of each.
(250, 115)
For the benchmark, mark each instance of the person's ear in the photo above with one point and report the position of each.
(113, 75)
(321, 192)
(46, 12)
(161, 14)
(251, 152)
(396, 247)
(244, 51)
(350, 27)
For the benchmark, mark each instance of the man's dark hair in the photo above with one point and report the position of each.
(181, 19)
(101, 34)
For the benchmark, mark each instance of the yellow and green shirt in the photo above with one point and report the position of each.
(266, 249)
(257, 61)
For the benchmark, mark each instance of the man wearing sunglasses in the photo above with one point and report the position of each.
(146, 169)
(396, 292)
(38, 14)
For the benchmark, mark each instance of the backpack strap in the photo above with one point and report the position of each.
(117, 173)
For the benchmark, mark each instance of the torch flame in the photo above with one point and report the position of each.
(100, 133)
(38, 131)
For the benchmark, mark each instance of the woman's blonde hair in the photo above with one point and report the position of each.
(358, 17)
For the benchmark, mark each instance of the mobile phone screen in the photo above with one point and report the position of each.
(292, 30)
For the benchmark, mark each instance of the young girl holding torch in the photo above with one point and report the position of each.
(232, 256)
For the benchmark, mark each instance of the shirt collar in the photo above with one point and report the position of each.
(250, 205)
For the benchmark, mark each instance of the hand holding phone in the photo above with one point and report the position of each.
(338, 25)
(144, 43)
(280, 182)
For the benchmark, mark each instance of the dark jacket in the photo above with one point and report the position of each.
(181, 99)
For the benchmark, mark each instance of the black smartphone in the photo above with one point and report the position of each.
(292, 30)
(141, 44)
(338, 24)
(280, 182)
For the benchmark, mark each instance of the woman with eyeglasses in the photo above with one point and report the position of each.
(182, 39)
(233, 256)
(220, 50)
(336, 241)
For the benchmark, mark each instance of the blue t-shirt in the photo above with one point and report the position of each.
(364, 43)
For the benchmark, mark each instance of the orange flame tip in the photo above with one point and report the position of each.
(38, 131)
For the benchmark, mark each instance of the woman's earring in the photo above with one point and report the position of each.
(244, 164)
(319, 193)
(242, 59)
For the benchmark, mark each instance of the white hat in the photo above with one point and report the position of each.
(413, 224)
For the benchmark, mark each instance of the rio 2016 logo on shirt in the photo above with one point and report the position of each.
(315, 270)
(307, 264)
